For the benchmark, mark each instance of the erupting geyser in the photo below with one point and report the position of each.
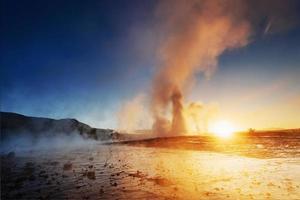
(194, 33)
(197, 32)
(178, 122)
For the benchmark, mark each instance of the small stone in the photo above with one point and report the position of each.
(67, 166)
(91, 175)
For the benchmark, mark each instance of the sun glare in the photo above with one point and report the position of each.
(222, 129)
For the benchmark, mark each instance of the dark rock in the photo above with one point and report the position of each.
(67, 166)
(91, 175)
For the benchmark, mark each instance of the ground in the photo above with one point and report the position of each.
(146, 171)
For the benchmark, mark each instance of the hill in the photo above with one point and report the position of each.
(13, 124)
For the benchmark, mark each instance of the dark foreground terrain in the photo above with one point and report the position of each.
(243, 167)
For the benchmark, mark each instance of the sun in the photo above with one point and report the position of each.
(223, 129)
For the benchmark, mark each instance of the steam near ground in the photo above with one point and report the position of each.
(45, 141)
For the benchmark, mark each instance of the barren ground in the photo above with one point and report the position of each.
(265, 169)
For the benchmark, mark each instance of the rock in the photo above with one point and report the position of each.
(91, 175)
(67, 166)
(160, 181)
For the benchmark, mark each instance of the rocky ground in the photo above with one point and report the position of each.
(135, 171)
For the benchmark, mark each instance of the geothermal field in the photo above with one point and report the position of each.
(190, 167)
(150, 99)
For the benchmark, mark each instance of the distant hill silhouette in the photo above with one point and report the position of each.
(13, 124)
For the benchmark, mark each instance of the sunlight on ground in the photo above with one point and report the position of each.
(217, 176)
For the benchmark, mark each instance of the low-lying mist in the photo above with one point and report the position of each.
(48, 141)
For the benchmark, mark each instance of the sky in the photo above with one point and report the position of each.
(84, 59)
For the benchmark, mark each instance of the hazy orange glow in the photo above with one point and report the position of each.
(222, 129)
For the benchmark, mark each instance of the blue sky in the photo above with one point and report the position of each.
(83, 60)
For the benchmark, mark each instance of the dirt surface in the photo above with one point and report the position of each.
(138, 172)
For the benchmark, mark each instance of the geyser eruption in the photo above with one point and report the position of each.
(194, 34)
(197, 32)
(178, 121)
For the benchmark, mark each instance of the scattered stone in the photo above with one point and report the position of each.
(114, 184)
(54, 163)
(67, 166)
(138, 174)
(101, 191)
(29, 164)
(160, 181)
(91, 175)
(79, 186)
(208, 193)
(43, 174)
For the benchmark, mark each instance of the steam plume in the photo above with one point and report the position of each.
(134, 115)
(194, 34)
(197, 32)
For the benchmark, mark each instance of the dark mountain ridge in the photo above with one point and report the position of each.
(13, 124)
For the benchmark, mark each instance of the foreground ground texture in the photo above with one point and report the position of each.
(178, 168)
